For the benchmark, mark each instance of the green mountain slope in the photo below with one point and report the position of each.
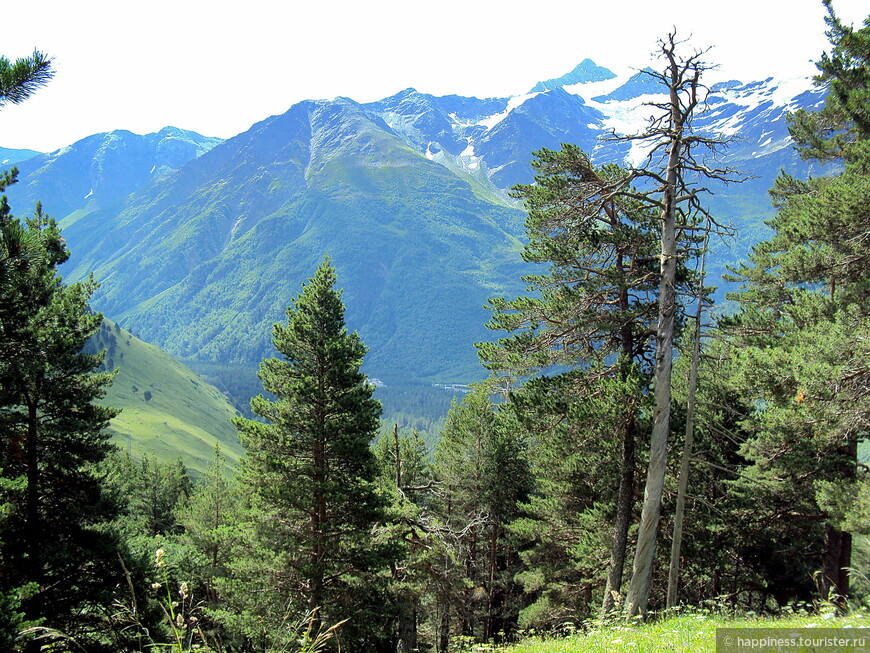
(200, 250)
(204, 262)
(166, 409)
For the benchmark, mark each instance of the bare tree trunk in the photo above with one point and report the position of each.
(444, 627)
(672, 134)
(688, 443)
(837, 558)
(34, 530)
(407, 623)
(624, 505)
(639, 588)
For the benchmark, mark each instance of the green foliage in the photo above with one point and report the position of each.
(54, 530)
(172, 412)
(312, 478)
(831, 133)
(21, 78)
(581, 345)
(798, 346)
(568, 525)
(212, 520)
(483, 475)
(597, 297)
(150, 492)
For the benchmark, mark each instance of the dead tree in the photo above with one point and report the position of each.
(674, 174)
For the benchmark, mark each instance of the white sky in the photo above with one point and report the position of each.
(217, 67)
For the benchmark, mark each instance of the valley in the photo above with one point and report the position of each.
(199, 244)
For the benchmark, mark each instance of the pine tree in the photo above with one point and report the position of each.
(53, 435)
(829, 134)
(150, 492)
(482, 475)
(593, 313)
(800, 339)
(310, 471)
(18, 81)
(405, 472)
(21, 78)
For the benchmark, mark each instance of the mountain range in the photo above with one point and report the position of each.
(201, 244)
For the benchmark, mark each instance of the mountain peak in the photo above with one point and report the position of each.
(641, 83)
(586, 71)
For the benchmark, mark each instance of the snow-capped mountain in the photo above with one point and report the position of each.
(409, 196)
(493, 139)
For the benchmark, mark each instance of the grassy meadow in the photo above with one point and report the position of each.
(693, 632)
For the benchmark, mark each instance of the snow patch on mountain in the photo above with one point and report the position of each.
(468, 158)
(514, 102)
(589, 90)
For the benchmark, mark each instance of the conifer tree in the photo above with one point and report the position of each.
(310, 471)
(405, 471)
(53, 435)
(150, 492)
(800, 340)
(482, 474)
(21, 78)
(594, 313)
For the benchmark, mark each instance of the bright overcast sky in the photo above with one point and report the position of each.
(218, 67)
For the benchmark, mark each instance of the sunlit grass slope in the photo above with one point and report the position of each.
(166, 409)
(693, 633)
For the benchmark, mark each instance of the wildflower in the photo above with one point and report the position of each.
(179, 620)
(158, 557)
(184, 591)
(156, 586)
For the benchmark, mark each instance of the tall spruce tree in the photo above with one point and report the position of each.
(53, 435)
(311, 473)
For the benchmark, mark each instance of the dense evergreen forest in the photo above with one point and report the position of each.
(628, 453)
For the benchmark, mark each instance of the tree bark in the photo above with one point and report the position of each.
(837, 557)
(444, 627)
(34, 526)
(688, 443)
(407, 623)
(834, 582)
(624, 505)
(639, 588)
(489, 629)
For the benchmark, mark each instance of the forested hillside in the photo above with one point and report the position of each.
(199, 245)
(629, 452)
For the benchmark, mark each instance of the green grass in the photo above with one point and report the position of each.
(690, 632)
(166, 409)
